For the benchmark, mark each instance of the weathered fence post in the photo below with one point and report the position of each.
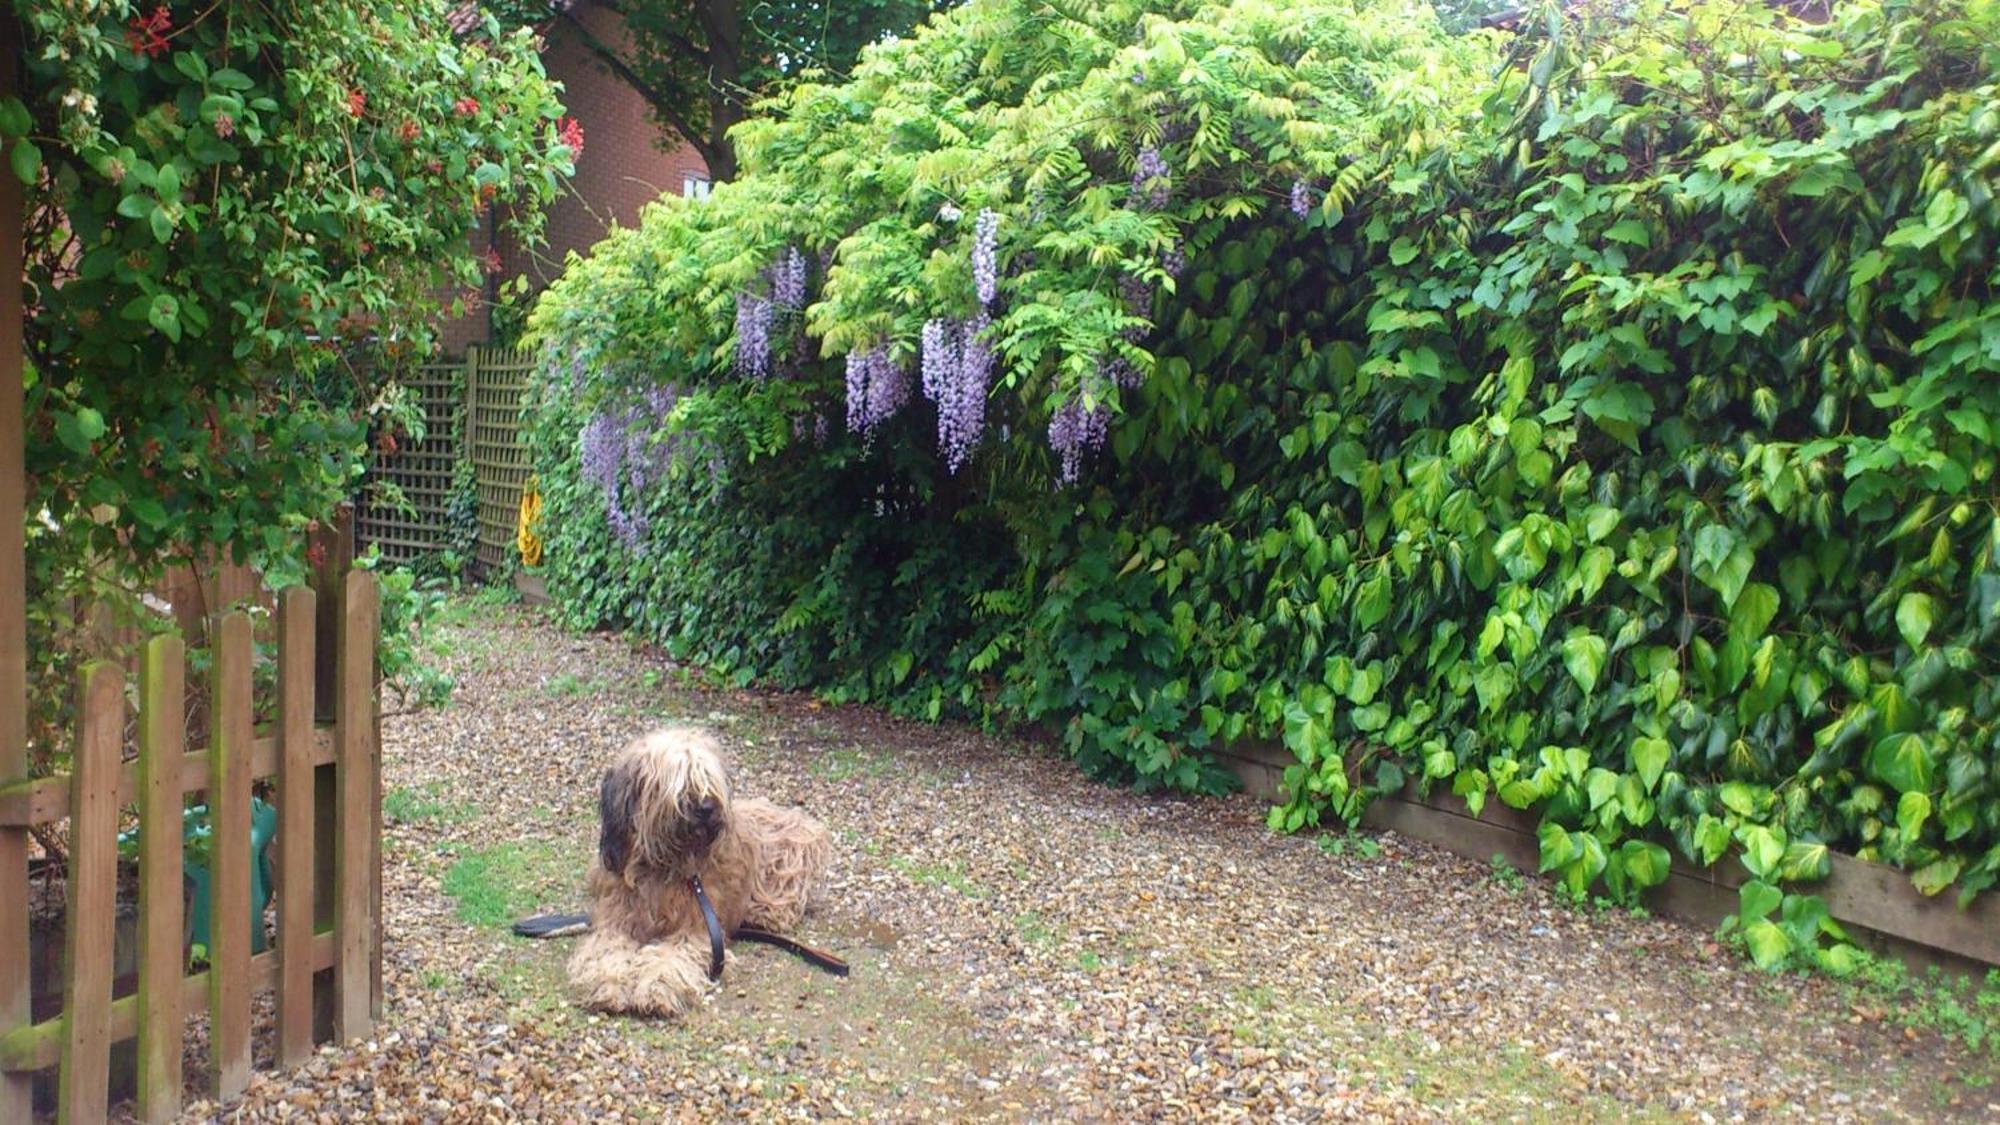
(356, 861)
(162, 956)
(333, 555)
(16, 1089)
(93, 897)
(295, 825)
(229, 859)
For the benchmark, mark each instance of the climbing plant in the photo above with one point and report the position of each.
(1598, 419)
(240, 218)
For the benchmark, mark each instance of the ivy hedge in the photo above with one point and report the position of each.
(1599, 419)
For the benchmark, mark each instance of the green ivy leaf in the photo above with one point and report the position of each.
(1912, 810)
(1649, 757)
(1914, 615)
(1757, 899)
(1646, 864)
(1763, 849)
(1632, 232)
(1903, 761)
(1937, 875)
(1805, 862)
(1583, 655)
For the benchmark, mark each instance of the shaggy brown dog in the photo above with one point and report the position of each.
(668, 818)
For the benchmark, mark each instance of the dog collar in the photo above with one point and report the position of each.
(714, 928)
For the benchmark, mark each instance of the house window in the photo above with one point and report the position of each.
(694, 187)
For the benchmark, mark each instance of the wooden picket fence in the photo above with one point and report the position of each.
(322, 751)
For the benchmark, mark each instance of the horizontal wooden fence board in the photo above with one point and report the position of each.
(1871, 896)
(40, 1045)
(45, 800)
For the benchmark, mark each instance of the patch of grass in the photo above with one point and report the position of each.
(1089, 961)
(435, 979)
(839, 765)
(938, 875)
(418, 804)
(1964, 1011)
(570, 685)
(495, 886)
(1355, 843)
(1505, 875)
(1033, 930)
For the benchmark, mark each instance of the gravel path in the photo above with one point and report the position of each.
(1028, 945)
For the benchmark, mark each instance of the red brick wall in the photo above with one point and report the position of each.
(623, 166)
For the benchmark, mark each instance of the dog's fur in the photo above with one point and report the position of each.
(668, 814)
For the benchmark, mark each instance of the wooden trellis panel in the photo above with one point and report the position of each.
(496, 381)
(423, 471)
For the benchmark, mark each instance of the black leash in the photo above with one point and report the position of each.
(714, 928)
(798, 949)
(566, 925)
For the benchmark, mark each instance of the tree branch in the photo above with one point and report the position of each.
(661, 104)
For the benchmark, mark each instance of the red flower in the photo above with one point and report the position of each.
(225, 125)
(570, 133)
(356, 102)
(147, 35)
(466, 107)
(407, 130)
(492, 263)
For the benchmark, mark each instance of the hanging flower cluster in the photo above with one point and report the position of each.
(985, 259)
(877, 387)
(957, 374)
(753, 335)
(623, 457)
(1301, 198)
(788, 280)
(1077, 430)
(1152, 183)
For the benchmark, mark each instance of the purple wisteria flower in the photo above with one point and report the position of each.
(753, 335)
(877, 387)
(788, 280)
(1076, 431)
(985, 260)
(624, 456)
(1174, 261)
(1301, 198)
(1152, 183)
(939, 363)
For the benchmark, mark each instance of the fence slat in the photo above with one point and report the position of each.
(162, 730)
(229, 861)
(295, 824)
(16, 1090)
(355, 866)
(93, 898)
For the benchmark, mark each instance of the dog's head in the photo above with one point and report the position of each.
(663, 804)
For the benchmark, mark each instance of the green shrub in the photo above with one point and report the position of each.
(1611, 435)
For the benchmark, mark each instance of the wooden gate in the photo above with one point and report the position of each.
(318, 760)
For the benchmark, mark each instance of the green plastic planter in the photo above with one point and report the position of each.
(196, 829)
